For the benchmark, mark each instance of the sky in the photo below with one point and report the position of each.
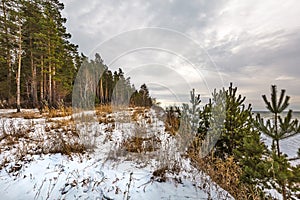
(174, 45)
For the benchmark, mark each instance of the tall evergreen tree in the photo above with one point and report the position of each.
(8, 31)
(238, 137)
(238, 123)
(146, 99)
(35, 49)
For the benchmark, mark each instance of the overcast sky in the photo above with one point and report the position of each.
(174, 46)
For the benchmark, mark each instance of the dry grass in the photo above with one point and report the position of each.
(141, 144)
(102, 112)
(172, 121)
(11, 134)
(226, 173)
(159, 174)
(69, 138)
(66, 126)
(56, 137)
(136, 114)
(64, 147)
(106, 119)
(59, 112)
(140, 141)
(140, 113)
(103, 109)
(28, 114)
(45, 112)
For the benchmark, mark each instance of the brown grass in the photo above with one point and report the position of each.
(141, 141)
(159, 175)
(136, 114)
(140, 112)
(59, 112)
(28, 114)
(13, 134)
(67, 141)
(172, 122)
(226, 173)
(103, 109)
(106, 119)
(65, 148)
(62, 137)
(141, 144)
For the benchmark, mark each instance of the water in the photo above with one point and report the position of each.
(269, 115)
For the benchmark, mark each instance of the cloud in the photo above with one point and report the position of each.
(284, 78)
(251, 43)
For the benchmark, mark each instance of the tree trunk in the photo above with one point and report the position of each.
(50, 86)
(50, 74)
(106, 92)
(42, 80)
(101, 91)
(19, 70)
(33, 72)
(276, 134)
(45, 84)
(54, 85)
(284, 191)
(278, 153)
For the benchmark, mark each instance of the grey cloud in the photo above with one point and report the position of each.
(248, 47)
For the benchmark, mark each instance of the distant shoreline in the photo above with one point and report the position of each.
(266, 111)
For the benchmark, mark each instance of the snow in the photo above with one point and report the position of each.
(288, 146)
(107, 172)
(56, 177)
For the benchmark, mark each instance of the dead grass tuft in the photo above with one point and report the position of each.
(226, 173)
(105, 119)
(103, 109)
(140, 113)
(59, 112)
(141, 141)
(141, 144)
(135, 115)
(159, 175)
(65, 148)
(172, 121)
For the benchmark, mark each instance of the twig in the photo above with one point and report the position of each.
(293, 159)
(126, 193)
(39, 190)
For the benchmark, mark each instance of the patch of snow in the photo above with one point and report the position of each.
(108, 172)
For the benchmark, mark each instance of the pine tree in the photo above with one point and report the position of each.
(204, 119)
(19, 17)
(32, 15)
(144, 93)
(279, 129)
(8, 45)
(211, 125)
(237, 136)
(237, 125)
(194, 111)
(35, 49)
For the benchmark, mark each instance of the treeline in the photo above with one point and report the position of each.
(96, 83)
(38, 63)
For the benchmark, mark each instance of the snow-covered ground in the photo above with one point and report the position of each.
(29, 171)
